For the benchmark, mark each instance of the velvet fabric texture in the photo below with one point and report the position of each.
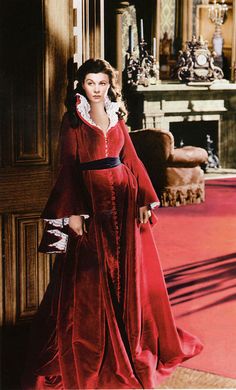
(105, 321)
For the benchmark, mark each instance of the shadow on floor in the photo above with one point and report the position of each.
(203, 278)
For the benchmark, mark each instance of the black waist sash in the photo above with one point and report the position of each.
(103, 163)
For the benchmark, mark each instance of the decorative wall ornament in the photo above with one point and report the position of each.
(141, 68)
(196, 63)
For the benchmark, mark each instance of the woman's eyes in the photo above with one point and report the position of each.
(102, 83)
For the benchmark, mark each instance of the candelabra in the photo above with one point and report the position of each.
(217, 14)
(142, 68)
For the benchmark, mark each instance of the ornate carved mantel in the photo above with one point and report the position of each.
(160, 105)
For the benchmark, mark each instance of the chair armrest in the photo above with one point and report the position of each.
(188, 156)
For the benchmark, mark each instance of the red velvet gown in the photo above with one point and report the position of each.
(105, 321)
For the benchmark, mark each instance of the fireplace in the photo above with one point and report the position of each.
(195, 134)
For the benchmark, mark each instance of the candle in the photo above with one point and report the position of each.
(141, 29)
(154, 50)
(131, 40)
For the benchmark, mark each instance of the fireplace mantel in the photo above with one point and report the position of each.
(157, 106)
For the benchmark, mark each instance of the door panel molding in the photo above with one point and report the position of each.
(33, 268)
(27, 272)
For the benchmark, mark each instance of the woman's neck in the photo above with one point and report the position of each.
(99, 116)
(97, 109)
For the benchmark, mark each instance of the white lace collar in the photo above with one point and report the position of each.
(83, 107)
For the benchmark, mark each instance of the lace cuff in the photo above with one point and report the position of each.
(154, 204)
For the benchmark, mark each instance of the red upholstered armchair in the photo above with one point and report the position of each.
(176, 173)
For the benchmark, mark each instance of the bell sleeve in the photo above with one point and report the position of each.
(68, 196)
(146, 193)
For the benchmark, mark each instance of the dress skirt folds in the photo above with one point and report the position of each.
(105, 321)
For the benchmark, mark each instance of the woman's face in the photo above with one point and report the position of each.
(96, 86)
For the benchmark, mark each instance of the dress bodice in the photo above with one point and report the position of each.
(93, 142)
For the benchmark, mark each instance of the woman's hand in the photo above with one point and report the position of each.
(77, 224)
(144, 214)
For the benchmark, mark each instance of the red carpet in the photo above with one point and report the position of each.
(197, 245)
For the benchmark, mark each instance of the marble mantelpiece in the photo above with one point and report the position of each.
(157, 106)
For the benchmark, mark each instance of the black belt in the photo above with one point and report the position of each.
(103, 163)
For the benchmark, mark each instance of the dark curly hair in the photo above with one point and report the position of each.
(95, 66)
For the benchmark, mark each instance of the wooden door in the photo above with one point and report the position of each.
(36, 45)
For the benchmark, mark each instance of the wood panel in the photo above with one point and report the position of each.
(25, 190)
(2, 259)
(33, 268)
(9, 272)
(26, 270)
(29, 118)
(26, 101)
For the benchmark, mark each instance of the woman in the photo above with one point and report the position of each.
(105, 320)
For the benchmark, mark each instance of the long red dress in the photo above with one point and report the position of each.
(105, 321)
